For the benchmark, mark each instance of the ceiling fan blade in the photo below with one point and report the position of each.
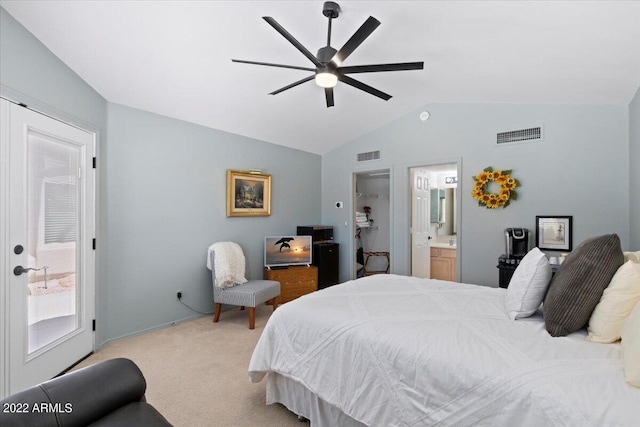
(328, 93)
(359, 85)
(402, 66)
(299, 82)
(292, 40)
(356, 39)
(295, 67)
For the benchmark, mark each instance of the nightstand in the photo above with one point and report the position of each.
(505, 272)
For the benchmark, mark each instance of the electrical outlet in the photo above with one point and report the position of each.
(179, 294)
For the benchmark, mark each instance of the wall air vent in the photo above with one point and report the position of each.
(519, 136)
(369, 156)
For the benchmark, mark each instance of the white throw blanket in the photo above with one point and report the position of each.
(229, 264)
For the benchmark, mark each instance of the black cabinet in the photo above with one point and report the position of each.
(506, 272)
(326, 256)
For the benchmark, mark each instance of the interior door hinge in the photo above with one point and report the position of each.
(94, 325)
(94, 162)
(94, 244)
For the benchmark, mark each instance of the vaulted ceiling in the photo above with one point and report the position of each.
(174, 58)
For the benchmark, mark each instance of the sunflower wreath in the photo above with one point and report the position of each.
(492, 200)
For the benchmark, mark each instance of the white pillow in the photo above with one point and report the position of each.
(616, 303)
(632, 256)
(631, 347)
(528, 285)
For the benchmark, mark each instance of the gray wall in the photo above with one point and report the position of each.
(634, 173)
(30, 73)
(162, 191)
(580, 169)
(31, 69)
(166, 185)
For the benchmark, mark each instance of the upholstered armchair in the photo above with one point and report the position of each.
(234, 289)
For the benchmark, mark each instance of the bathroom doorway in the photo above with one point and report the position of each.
(434, 233)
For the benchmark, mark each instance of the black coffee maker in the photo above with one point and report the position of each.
(516, 243)
(516, 247)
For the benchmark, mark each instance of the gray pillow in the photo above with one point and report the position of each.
(578, 285)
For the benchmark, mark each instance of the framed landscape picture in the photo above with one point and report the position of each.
(554, 233)
(248, 194)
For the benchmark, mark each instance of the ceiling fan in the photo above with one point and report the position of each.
(328, 70)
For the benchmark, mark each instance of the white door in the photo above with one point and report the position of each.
(50, 279)
(420, 211)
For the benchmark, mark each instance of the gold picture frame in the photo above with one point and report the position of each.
(248, 194)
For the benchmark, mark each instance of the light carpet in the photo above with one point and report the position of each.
(196, 371)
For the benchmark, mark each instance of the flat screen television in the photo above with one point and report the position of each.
(282, 251)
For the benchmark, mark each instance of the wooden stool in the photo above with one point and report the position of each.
(366, 260)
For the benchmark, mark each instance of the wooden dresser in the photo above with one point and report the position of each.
(294, 281)
(443, 264)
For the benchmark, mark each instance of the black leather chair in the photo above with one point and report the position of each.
(110, 393)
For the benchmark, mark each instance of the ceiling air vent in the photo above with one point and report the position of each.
(369, 156)
(519, 136)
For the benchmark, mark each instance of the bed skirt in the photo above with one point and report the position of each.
(301, 401)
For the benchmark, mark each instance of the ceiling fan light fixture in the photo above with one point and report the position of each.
(326, 79)
(327, 62)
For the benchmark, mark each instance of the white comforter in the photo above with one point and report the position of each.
(399, 351)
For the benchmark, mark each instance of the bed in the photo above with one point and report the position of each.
(389, 350)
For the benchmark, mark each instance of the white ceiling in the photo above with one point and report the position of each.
(174, 58)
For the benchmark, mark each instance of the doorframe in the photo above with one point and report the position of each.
(352, 229)
(408, 187)
(14, 97)
(4, 239)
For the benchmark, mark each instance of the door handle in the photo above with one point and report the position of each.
(19, 270)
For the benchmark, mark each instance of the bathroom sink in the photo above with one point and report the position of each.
(444, 245)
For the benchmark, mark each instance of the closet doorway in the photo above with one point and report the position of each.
(434, 221)
(372, 219)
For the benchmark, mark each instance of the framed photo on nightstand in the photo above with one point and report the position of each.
(554, 233)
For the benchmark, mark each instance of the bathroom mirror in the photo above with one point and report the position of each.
(446, 205)
(438, 205)
(448, 224)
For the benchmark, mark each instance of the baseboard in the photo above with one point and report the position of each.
(146, 331)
